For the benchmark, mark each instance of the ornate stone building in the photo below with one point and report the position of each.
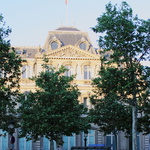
(73, 49)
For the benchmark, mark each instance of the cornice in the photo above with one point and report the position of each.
(69, 52)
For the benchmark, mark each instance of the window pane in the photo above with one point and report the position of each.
(91, 136)
(69, 141)
(24, 144)
(72, 141)
(68, 73)
(108, 141)
(25, 72)
(82, 46)
(28, 145)
(65, 145)
(85, 101)
(3, 140)
(54, 45)
(46, 144)
(21, 144)
(87, 72)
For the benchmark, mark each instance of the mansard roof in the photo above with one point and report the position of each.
(67, 29)
(69, 36)
(62, 36)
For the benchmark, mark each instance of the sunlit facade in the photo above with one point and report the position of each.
(73, 49)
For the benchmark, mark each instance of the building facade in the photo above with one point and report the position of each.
(73, 49)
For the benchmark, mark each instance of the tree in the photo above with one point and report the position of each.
(110, 115)
(53, 110)
(126, 40)
(9, 79)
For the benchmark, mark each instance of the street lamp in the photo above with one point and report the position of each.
(12, 138)
(85, 139)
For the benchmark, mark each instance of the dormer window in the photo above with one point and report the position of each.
(24, 51)
(18, 52)
(54, 45)
(82, 46)
(42, 50)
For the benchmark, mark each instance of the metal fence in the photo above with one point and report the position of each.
(90, 148)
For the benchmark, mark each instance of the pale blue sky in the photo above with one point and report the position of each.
(31, 20)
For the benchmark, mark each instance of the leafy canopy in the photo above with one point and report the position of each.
(9, 78)
(53, 110)
(122, 82)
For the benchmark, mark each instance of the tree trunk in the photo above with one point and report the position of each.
(115, 133)
(116, 142)
(130, 142)
(134, 127)
(51, 145)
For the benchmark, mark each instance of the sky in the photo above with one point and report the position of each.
(30, 20)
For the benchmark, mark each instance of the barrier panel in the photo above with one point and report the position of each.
(90, 148)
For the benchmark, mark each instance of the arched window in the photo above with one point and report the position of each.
(87, 72)
(82, 46)
(54, 45)
(26, 73)
(85, 102)
(46, 144)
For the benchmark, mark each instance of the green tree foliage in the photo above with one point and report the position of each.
(123, 83)
(53, 110)
(9, 78)
(110, 115)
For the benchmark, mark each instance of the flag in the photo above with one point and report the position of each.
(66, 1)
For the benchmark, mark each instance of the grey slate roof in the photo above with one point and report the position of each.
(68, 35)
(67, 29)
(27, 52)
(69, 39)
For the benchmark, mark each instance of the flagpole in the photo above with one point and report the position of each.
(66, 1)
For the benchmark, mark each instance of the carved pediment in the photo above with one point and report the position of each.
(71, 52)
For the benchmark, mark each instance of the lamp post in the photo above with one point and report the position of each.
(85, 139)
(12, 138)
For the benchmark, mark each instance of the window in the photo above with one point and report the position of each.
(3, 141)
(85, 101)
(87, 72)
(42, 50)
(2, 73)
(26, 72)
(46, 144)
(24, 51)
(69, 141)
(24, 144)
(54, 45)
(90, 138)
(49, 68)
(68, 73)
(18, 52)
(82, 46)
(110, 141)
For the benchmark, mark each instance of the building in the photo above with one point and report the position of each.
(73, 49)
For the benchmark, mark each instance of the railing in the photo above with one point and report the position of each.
(90, 147)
